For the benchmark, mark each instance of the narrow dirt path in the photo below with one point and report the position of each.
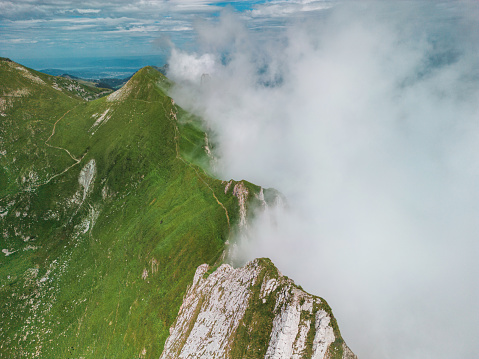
(77, 160)
(174, 120)
(53, 133)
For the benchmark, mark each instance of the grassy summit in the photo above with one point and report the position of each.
(104, 217)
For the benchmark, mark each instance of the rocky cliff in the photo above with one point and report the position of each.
(252, 312)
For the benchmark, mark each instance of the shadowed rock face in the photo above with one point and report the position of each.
(252, 312)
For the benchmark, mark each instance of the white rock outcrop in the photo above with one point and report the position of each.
(86, 177)
(122, 93)
(211, 312)
(224, 314)
(241, 192)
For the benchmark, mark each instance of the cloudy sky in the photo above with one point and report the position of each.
(66, 28)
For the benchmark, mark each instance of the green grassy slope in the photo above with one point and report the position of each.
(103, 217)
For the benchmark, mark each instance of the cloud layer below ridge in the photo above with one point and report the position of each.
(366, 118)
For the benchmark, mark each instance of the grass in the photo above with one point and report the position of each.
(254, 332)
(103, 276)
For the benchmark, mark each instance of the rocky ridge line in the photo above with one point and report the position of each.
(252, 312)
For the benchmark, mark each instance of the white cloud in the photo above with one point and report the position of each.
(367, 121)
(79, 27)
(288, 8)
(88, 11)
(18, 41)
(145, 29)
(180, 28)
(191, 67)
(23, 23)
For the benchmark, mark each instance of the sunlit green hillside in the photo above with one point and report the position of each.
(103, 215)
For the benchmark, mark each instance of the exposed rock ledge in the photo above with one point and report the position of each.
(252, 312)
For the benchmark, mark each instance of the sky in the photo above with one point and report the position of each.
(31, 29)
(363, 114)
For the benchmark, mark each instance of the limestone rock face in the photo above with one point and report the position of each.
(252, 312)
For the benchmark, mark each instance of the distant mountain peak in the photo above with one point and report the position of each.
(17, 78)
(147, 84)
(6, 59)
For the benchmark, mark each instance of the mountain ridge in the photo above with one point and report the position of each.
(108, 211)
(253, 312)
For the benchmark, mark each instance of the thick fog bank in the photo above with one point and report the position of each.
(366, 117)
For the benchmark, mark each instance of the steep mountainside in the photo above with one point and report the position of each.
(105, 215)
(253, 312)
